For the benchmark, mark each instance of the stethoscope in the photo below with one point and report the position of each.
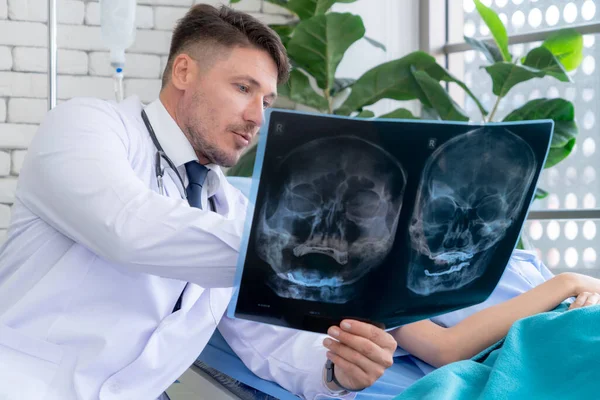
(160, 156)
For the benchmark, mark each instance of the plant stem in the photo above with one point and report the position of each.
(329, 101)
(493, 113)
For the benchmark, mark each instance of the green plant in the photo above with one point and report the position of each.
(317, 39)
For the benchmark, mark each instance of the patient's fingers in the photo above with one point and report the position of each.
(579, 301)
(367, 365)
(585, 299)
(592, 300)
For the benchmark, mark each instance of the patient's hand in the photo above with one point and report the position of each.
(361, 353)
(585, 289)
(585, 299)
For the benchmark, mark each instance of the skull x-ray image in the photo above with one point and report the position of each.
(384, 221)
(472, 189)
(330, 218)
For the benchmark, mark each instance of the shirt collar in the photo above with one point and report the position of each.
(176, 145)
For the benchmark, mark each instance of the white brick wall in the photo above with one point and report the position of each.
(167, 2)
(67, 11)
(16, 136)
(23, 84)
(2, 110)
(19, 33)
(6, 61)
(17, 158)
(4, 218)
(3, 9)
(83, 65)
(4, 163)
(8, 186)
(146, 89)
(29, 111)
(249, 6)
(70, 86)
(144, 17)
(35, 59)
(165, 18)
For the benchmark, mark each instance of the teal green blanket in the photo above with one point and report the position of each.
(554, 355)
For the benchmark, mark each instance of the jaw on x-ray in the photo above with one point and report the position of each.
(330, 219)
(472, 189)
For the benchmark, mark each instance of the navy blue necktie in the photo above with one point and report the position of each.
(196, 176)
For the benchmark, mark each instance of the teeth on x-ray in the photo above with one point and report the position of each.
(331, 219)
(470, 193)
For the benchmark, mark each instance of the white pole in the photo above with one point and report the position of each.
(51, 54)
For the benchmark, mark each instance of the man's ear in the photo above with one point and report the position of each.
(183, 72)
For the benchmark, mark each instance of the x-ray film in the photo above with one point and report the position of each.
(386, 221)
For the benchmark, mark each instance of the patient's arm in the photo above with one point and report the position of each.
(438, 346)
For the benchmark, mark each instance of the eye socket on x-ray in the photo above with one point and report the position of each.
(490, 208)
(363, 204)
(304, 199)
(442, 209)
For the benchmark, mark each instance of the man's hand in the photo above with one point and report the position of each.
(361, 353)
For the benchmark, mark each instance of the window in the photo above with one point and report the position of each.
(565, 227)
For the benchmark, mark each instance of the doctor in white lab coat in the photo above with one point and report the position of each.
(109, 289)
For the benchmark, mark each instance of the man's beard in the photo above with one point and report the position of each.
(197, 134)
(208, 150)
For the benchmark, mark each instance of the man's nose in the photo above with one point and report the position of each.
(255, 112)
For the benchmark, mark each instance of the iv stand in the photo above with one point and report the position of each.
(51, 54)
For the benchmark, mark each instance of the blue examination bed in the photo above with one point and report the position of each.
(220, 362)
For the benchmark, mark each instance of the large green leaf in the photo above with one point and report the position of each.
(308, 8)
(391, 80)
(489, 50)
(496, 27)
(556, 155)
(319, 43)
(298, 89)
(245, 165)
(394, 80)
(506, 75)
(541, 58)
(400, 113)
(567, 46)
(560, 110)
(435, 96)
(437, 72)
(284, 31)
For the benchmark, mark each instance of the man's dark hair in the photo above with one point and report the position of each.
(205, 27)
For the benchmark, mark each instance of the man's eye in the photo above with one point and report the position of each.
(266, 104)
(243, 88)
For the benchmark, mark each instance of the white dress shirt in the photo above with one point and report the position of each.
(95, 260)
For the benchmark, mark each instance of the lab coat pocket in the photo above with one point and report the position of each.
(28, 365)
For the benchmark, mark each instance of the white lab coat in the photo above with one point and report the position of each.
(95, 259)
